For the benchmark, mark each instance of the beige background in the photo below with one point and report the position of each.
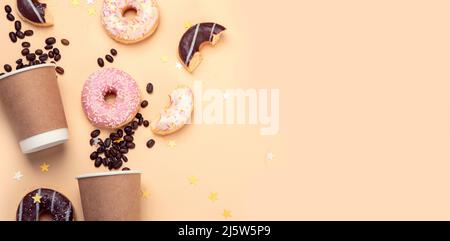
(365, 111)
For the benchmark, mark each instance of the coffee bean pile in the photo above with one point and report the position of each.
(112, 152)
(39, 56)
(108, 58)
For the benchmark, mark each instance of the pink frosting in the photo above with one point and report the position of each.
(98, 86)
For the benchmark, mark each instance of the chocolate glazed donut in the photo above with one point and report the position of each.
(34, 12)
(194, 38)
(51, 202)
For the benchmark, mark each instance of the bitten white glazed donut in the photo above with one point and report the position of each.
(177, 113)
(133, 30)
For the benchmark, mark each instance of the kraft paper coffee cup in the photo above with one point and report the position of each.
(111, 196)
(32, 102)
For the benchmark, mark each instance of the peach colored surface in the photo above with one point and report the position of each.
(364, 119)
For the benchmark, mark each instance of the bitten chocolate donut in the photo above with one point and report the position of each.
(34, 12)
(192, 41)
(44, 201)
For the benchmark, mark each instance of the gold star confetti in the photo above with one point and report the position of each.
(18, 176)
(37, 198)
(44, 167)
(91, 11)
(187, 25)
(172, 144)
(226, 213)
(145, 194)
(75, 2)
(193, 180)
(213, 196)
(164, 58)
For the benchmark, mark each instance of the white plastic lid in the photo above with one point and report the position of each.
(44, 140)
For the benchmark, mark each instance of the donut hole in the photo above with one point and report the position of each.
(129, 12)
(45, 217)
(110, 97)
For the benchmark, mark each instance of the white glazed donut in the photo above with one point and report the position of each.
(177, 114)
(125, 30)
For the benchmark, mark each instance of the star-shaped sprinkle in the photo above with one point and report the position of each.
(178, 65)
(164, 58)
(18, 176)
(91, 11)
(37, 198)
(145, 194)
(44, 167)
(226, 213)
(187, 25)
(172, 144)
(193, 180)
(213, 196)
(90, 2)
(75, 2)
(270, 156)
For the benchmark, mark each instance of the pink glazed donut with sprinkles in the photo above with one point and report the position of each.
(103, 83)
(130, 30)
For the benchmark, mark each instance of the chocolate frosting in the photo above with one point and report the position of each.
(51, 202)
(32, 10)
(194, 37)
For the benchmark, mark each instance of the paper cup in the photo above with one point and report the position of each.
(111, 196)
(32, 102)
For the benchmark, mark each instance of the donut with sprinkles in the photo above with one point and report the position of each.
(130, 30)
(193, 40)
(45, 201)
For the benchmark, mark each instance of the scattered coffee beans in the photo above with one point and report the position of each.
(100, 62)
(57, 57)
(146, 123)
(65, 42)
(150, 143)
(113, 52)
(18, 25)
(13, 37)
(48, 47)
(95, 133)
(125, 169)
(8, 9)
(144, 104)
(50, 41)
(28, 33)
(109, 58)
(25, 51)
(26, 44)
(59, 70)
(10, 17)
(38, 52)
(7, 68)
(20, 34)
(149, 88)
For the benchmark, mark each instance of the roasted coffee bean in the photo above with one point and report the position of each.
(56, 51)
(128, 130)
(57, 57)
(113, 52)
(10, 17)
(128, 138)
(101, 149)
(50, 41)
(8, 9)
(144, 104)
(138, 116)
(48, 47)
(134, 125)
(43, 57)
(109, 58)
(51, 54)
(125, 169)
(107, 153)
(13, 37)
(120, 132)
(98, 162)
(107, 142)
(38, 52)
(25, 51)
(118, 164)
(124, 150)
(20, 35)
(31, 57)
(65, 42)
(123, 144)
(93, 155)
(18, 61)
(17, 25)
(113, 136)
(26, 44)
(36, 62)
(105, 161)
(113, 152)
(91, 142)
(19, 66)
(124, 158)
(140, 121)
(95, 133)
(7, 68)
(29, 33)
(131, 145)
(146, 123)
(100, 62)
(149, 88)
(150, 143)
(59, 70)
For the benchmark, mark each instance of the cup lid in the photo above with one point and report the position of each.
(44, 140)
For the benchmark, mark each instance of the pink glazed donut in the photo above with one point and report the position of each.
(106, 82)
